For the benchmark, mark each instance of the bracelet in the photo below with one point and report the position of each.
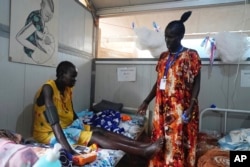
(194, 99)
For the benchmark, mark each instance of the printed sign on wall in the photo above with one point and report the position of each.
(126, 74)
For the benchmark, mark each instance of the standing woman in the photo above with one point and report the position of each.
(176, 90)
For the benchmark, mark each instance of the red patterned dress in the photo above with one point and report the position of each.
(181, 139)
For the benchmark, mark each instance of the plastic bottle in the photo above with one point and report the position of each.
(51, 158)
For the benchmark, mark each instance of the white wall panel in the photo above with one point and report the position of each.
(12, 88)
(131, 94)
(238, 97)
(214, 86)
(88, 33)
(72, 17)
(4, 12)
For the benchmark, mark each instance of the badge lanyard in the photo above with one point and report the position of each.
(169, 63)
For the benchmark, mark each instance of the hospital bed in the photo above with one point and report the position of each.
(133, 128)
(214, 145)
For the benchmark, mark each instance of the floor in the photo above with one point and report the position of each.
(132, 161)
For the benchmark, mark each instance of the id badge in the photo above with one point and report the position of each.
(163, 84)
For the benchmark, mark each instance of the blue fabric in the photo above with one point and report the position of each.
(66, 158)
(109, 120)
(236, 140)
(72, 132)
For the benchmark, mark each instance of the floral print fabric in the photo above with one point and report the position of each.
(181, 139)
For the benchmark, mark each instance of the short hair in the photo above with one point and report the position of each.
(178, 25)
(63, 67)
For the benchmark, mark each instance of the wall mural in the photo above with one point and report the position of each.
(34, 32)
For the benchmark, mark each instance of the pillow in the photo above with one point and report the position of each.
(106, 105)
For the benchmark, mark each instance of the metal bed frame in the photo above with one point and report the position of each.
(224, 112)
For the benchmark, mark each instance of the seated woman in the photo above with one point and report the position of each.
(56, 121)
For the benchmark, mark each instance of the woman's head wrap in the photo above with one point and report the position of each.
(178, 25)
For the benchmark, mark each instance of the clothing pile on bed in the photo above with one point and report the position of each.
(113, 121)
(236, 140)
(209, 153)
(214, 157)
(216, 153)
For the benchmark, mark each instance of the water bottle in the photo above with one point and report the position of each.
(51, 158)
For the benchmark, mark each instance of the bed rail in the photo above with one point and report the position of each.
(148, 117)
(224, 111)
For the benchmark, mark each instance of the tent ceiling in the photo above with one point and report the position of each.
(101, 4)
(106, 8)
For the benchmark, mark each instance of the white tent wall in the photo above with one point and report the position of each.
(19, 82)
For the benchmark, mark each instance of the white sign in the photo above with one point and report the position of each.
(126, 74)
(245, 78)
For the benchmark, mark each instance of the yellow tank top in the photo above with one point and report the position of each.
(42, 131)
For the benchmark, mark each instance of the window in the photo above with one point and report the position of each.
(118, 39)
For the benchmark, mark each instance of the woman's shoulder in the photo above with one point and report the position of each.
(192, 54)
(164, 54)
(190, 50)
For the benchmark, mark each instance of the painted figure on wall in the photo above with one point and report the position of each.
(38, 42)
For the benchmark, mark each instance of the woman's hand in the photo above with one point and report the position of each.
(142, 109)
